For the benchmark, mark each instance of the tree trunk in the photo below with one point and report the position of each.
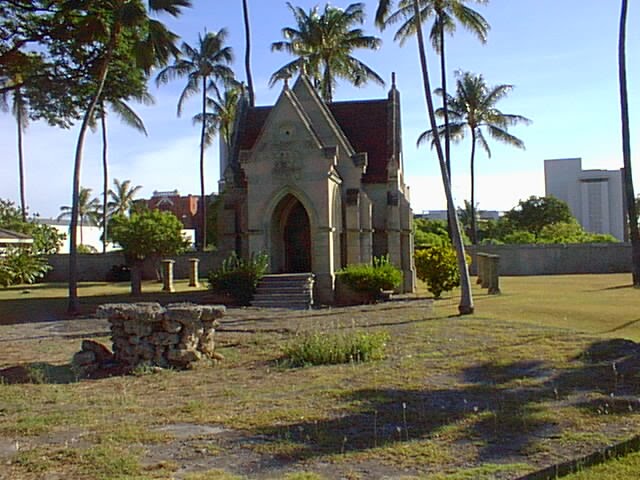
(105, 178)
(474, 227)
(73, 227)
(247, 52)
(632, 213)
(136, 279)
(445, 111)
(466, 298)
(203, 200)
(20, 120)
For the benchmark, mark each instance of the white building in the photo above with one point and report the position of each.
(595, 197)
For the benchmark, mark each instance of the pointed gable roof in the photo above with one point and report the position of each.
(362, 124)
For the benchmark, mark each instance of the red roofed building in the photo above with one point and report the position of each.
(317, 186)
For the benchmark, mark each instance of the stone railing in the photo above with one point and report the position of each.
(173, 336)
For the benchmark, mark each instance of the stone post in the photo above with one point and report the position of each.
(167, 275)
(194, 281)
(483, 269)
(493, 265)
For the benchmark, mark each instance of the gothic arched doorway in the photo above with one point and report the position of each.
(291, 237)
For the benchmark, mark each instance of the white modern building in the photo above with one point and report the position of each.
(595, 197)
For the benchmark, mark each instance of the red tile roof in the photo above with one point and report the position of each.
(363, 122)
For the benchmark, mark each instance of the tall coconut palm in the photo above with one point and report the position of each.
(473, 109)
(88, 210)
(129, 117)
(247, 52)
(206, 68)
(323, 43)
(221, 115)
(19, 110)
(447, 14)
(122, 197)
(152, 45)
(465, 306)
(632, 212)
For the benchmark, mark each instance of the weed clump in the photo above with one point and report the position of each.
(322, 348)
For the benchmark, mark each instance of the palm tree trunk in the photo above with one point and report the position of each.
(632, 214)
(203, 200)
(105, 178)
(20, 120)
(445, 111)
(474, 228)
(247, 52)
(73, 227)
(466, 299)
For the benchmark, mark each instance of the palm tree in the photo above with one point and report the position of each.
(130, 118)
(19, 110)
(632, 212)
(474, 109)
(152, 46)
(446, 14)
(222, 115)
(323, 44)
(465, 306)
(205, 67)
(88, 210)
(122, 197)
(247, 53)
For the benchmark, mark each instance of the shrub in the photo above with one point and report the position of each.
(238, 277)
(321, 348)
(381, 275)
(437, 267)
(19, 265)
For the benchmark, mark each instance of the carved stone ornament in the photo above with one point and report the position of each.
(286, 165)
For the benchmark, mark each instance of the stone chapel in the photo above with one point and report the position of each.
(317, 186)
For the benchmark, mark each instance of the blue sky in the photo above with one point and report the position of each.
(561, 56)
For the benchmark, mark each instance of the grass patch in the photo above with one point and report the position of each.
(331, 348)
(622, 468)
(507, 391)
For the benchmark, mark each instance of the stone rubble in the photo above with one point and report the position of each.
(146, 333)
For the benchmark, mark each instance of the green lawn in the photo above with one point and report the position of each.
(526, 382)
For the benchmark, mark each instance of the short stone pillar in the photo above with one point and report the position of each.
(167, 275)
(493, 274)
(480, 268)
(194, 281)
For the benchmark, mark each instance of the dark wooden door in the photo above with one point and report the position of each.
(297, 241)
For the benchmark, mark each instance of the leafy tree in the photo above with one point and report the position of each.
(632, 212)
(206, 68)
(88, 210)
(116, 24)
(150, 234)
(447, 14)
(323, 43)
(222, 116)
(474, 109)
(465, 306)
(535, 213)
(570, 232)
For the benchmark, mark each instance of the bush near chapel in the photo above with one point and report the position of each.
(371, 279)
(437, 267)
(239, 278)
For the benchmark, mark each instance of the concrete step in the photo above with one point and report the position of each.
(289, 290)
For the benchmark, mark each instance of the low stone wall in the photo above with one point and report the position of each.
(557, 259)
(96, 267)
(175, 336)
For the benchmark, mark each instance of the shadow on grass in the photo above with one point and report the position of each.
(38, 373)
(503, 408)
(29, 309)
